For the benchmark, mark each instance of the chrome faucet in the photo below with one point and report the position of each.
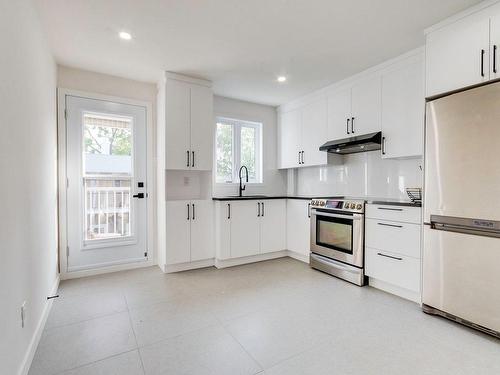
(243, 187)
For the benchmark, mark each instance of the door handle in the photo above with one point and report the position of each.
(258, 209)
(352, 125)
(192, 161)
(187, 152)
(347, 126)
(188, 211)
(138, 196)
(302, 157)
(494, 58)
(299, 157)
(390, 225)
(193, 212)
(309, 210)
(229, 211)
(482, 63)
(263, 212)
(383, 145)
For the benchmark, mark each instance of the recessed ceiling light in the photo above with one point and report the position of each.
(281, 79)
(124, 35)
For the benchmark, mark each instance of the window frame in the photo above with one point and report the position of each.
(237, 124)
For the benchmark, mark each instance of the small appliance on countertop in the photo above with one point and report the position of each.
(337, 238)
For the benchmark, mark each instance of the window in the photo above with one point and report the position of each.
(238, 143)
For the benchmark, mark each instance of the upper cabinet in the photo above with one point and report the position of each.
(463, 53)
(302, 131)
(403, 108)
(188, 122)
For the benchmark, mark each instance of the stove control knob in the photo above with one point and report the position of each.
(348, 205)
(359, 206)
(322, 203)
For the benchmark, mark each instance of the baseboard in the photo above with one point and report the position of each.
(109, 269)
(394, 289)
(301, 257)
(30, 353)
(219, 263)
(179, 267)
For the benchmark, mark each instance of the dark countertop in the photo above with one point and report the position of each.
(394, 203)
(261, 197)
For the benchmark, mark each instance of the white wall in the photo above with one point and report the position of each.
(363, 175)
(274, 180)
(28, 192)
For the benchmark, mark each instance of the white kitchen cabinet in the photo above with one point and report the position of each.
(298, 226)
(339, 114)
(177, 124)
(366, 106)
(178, 235)
(494, 64)
(290, 138)
(245, 228)
(250, 227)
(393, 248)
(189, 232)
(302, 132)
(273, 225)
(314, 133)
(457, 55)
(202, 230)
(189, 124)
(403, 107)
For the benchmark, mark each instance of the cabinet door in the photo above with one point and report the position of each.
(366, 106)
(339, 111)
(177, 132)
(223, 230)
(273, 225)
(453, 55)
(202, 128)
(298, 226)
(245, 239)
(403, 106)
(290, 139)
(202, 230)
(177, 234)
(314, 133)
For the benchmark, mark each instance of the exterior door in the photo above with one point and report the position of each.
(106, 186)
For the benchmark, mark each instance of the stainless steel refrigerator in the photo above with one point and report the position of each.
(461, 256)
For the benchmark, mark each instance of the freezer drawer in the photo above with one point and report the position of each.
(460, 275)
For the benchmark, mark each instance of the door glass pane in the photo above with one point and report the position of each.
(335, 234)
(107, 176)
(248, 137)
(224, 153)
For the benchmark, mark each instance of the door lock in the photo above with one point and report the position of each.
(139, 196)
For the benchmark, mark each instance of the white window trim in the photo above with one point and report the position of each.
(237, 125)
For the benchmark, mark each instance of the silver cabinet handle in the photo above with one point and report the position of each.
(389, 256)
(352, 125)
(193, 212)
(383, 145)
(299, 157)
(263, 212)
(309, 210)
(302, 157)
(390, 225)
(188, 211)
(389, 209)
(347, 127)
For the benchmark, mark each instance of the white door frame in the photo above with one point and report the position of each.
(62, 184)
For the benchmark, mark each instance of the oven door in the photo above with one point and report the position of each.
(338, 236)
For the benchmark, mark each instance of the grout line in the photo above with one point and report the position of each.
(135, 336)
(244, 349)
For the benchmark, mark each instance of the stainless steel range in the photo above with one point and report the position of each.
(337, 238)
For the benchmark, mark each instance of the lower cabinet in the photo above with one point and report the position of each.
(298, 226)
(189, 229)
(250, 227)
(393, 249)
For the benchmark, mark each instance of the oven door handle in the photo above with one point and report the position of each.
(340, 216)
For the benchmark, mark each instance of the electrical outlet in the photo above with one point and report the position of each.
(23, 313)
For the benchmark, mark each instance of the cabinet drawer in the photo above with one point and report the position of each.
(394, 213)
(394, 269)
(393, 236)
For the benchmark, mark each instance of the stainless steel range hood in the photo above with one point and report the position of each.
(360, 143)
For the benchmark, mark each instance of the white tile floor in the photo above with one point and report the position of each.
(272, 318)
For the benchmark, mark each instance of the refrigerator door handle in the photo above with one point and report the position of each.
(478, 227)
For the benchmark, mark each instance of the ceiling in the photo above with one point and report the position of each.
(240, 45)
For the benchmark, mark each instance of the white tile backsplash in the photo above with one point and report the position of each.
(364, 174)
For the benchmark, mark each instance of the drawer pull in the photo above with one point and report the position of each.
(389, 256)
(390, 225)
(389, 209)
